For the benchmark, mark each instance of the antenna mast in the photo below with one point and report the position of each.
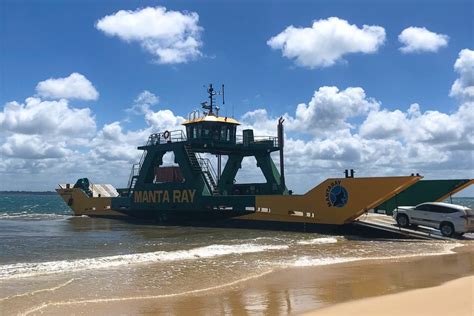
(211, 105)
(222, 92)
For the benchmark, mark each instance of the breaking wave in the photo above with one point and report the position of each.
(310, 261)
(29, 215)
(307, 261)
(317, 241)
(21, 270)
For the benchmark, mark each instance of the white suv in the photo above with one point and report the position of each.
(450, 219)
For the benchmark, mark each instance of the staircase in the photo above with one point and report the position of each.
(192, 158)
(209, 175)
(203, 166)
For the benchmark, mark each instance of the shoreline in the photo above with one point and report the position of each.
(294, 290)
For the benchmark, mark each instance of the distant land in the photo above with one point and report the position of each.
(29, 192)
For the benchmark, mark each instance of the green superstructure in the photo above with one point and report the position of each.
(200, 187)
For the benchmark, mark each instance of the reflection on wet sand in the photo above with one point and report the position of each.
(294, 290)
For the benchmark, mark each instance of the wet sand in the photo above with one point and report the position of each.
(287, 291)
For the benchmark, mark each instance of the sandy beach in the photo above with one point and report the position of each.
(451, 298)
(365, 286)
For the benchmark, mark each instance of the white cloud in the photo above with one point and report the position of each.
(387, 142)
(463, 87)
(432, 128)
(76, 86)
(113, 144)
(143, 102)
(40, 117)
(436, 128)
(336, 130)
(39, 130)
(158, 121)
(56, 143)
(384, 124)
(171, 36)
(259, 120)
(419, 39)
(32, 147)
(327, 41)
(164, 120)
(329, 109)
(146, 97)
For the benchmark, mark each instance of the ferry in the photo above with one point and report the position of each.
(201, 189)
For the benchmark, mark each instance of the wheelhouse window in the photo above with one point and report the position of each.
(192, 131)
(223, 133)
(215, 133)
(206, 132)
(189, 131)
(232, 134)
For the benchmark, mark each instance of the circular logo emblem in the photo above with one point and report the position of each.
(338, 196)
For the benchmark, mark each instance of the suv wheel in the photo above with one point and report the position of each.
(402, 220)
(447, 229)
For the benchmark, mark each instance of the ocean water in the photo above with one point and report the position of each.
(46, 250)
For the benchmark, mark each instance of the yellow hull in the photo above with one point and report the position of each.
(81, 204)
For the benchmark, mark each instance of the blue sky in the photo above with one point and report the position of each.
(53, 39)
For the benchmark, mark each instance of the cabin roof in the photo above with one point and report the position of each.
(212, 118)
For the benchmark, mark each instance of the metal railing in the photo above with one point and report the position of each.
(206, 166)
(167, 137)
(154, 139)
(136, 167)
(133, 173)
(195, 115)
(258, 139)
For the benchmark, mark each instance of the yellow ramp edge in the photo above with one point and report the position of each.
(334, 201)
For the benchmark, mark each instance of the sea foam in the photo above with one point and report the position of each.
(318, 241)
(21, 270)
(310, 261)
(37, 216)
(307, 261)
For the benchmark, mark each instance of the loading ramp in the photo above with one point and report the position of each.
(386, 223)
